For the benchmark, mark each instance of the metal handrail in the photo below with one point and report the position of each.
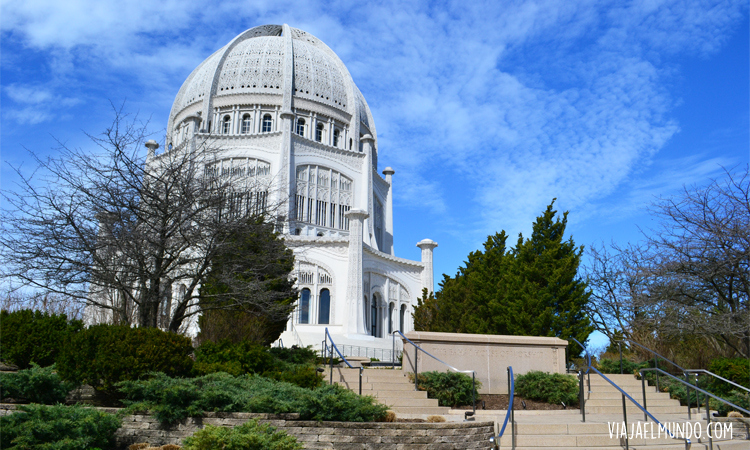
(416, 385)
(719, 377)
(726, 402)
(508, 414)
(625, 395)
(330, 359)
(697, 389)
(619, 343)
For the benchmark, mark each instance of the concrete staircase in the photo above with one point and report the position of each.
(605, 399)
(603, 412)
(596, 436)
(390, 387)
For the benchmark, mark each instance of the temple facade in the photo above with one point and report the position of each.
(285, 113)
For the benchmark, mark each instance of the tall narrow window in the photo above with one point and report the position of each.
(401, 319)
(225, 125)
(246, 124)
(267, 123)
(323, 196)
(336, 134)
(319, 132)
(304, 306)
(374, 316)
(301, 127)
(324, 309)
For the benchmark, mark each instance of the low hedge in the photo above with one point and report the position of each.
(33, 336)
(736, 370)
(104, 355)
(174, 399)
(248, 436)
(294, 365)
(449, 388)
(42, 427)
(546, 387)
(35, 385)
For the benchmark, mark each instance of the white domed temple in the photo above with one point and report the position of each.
(280, 105)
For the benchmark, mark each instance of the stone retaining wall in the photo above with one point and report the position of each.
(313, 435)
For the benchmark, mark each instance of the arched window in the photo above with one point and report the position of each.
(319, 132)
(401, 319)
(374, 316)
(267, 123)
(246, 124)
(304, 306)
(324, 308)
(336, 134)
(300, 127)
(390, 317)
(225, 125)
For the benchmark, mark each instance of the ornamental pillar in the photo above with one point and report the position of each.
(427, 245)
(388, 237)
(354, 322)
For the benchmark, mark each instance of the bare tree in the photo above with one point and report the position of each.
(690, 277)
(128, 234)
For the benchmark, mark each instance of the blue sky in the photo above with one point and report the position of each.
(486, 110)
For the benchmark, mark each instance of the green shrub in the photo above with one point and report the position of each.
(33, 336)
(736, 370)
(236, 359)
(293, 365)
(174, 399)
(613, 366)
(305, 376)
(739, 398)
(104, 355)
(335, 403)
(248, 436)
(295, 355)
(59, 427)
(35, 385)
(449, 388)
(552, 388)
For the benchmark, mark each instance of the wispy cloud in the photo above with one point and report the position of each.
(35, 104)
(486, 110)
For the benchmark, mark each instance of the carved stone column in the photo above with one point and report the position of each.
(354, 320)
(427, 245)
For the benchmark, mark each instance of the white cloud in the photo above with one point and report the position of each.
(35, 104)
(520, 100)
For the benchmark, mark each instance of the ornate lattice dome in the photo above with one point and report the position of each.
(264, 65)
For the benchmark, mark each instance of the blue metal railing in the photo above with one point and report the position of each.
(327, 349)
(624, 405)
(697, 389)
(685, 372)
(416, 384)
(509, 414)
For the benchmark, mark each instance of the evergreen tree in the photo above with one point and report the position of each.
(249, 293)
(531, 290)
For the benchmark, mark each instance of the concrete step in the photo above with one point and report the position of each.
(415, 402)
(395, 394)
(422, 410)
(615, 394)
(580, 440)
(649, 402)
(655, 410)
(354, 386)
